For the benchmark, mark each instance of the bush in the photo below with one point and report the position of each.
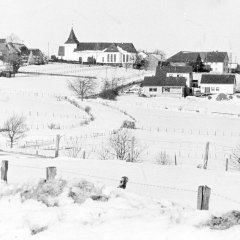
(230, 97)
(226, 221)
(209, 97)
(109, 94)
(128, 124)
(221, 96)
(87, 109)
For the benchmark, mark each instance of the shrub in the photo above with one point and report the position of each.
(109, 94)
(230, 97)
(221, 96)
(226, 221)
(87, 109)
(209, 97)
(128, 124)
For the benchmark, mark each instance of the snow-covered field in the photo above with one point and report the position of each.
(160, 200)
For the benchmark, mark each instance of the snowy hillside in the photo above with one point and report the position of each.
(161, 196)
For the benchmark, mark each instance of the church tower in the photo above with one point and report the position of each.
(69, 46)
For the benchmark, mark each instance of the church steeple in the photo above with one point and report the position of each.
(72, 38)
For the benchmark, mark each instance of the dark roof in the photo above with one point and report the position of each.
(174, 69)
(168, 81)
(218, 79)
(184, 56)
(214, 56)
(72, 38)
(112, 48)
(84, 46)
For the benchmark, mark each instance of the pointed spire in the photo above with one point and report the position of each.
(72, 38)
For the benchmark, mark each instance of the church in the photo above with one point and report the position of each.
(121, 54)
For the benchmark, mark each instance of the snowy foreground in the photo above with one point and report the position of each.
(159, 203)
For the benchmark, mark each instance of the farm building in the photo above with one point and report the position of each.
(218, 83)
(216, 61)
(172, 81)
(97, 52)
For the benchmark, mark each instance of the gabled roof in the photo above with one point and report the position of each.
(112, 48)
(184, 56)
(164, 82)
(72, 38)
(218, 79)
(100, 46)
(214, 56)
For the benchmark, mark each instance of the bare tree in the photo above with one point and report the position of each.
(125, 146)
(82, 87)
(74, 147)
(14, 128)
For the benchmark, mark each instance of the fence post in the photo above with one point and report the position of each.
(4, 170)
(203, 197)
(226, 165)
(206, 156)
(51, 172)
(123, 182)
(57, 145)
(175, 159)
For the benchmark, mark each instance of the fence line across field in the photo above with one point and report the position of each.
(51, 172)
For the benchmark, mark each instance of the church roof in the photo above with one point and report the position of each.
(72, 38)
(110, 47)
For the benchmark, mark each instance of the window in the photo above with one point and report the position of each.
(212, 88)
(166, 89)
(217, 89)
(152, 89)
(114, 57)
(111, 58)
(123, 58)
(108, 58)
(127, 59)
(102, 59)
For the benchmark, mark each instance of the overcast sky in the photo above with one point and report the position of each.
(169, 25)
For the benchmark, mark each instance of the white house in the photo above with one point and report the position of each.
(97, 52)
(218, 83)
(216, 61)
(169, 80)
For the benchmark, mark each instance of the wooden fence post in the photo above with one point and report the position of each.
(51, 172)
(226, 165)
(203, 197)
(206, 156)
(4, 170)
(123, 182)
(57, 145)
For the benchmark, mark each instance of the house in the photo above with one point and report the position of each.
(176, 71)
(218, 83)
(202, 61)
(159, 87)
(185, 58)
(172, 81)
(217, 62)
(153, 60)
(97, 52)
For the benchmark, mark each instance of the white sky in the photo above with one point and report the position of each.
(169, 25)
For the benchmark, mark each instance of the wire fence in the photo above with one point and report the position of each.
(141, 186)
